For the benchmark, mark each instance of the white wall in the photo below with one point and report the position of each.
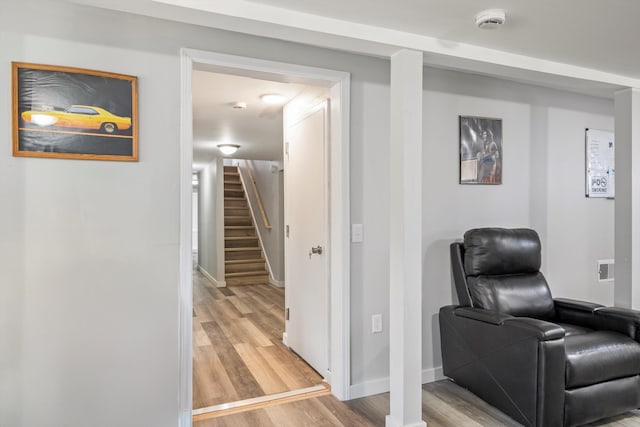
(271, 189)
(543, 185)
(209, 220)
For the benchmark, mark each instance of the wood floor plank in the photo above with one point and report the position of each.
(267, 324)
(264, 374)
(245, 384)
(293, 378)
(200, 337)
(267, 312)
(210, 379)
(239, 304)
(256, 337)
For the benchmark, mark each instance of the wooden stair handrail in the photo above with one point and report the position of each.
(265, 220)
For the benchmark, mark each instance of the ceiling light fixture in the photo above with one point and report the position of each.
(228, 149)
(239, 105)
(490, 19)
(273, 99)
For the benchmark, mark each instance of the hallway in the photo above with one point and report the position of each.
(238, 352)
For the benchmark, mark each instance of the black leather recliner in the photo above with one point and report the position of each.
(543, 361)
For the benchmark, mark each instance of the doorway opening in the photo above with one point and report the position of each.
(336, 247)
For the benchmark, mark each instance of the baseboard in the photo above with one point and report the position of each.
(185, 419)
(390, 422)
(432, 375)
(381, 385)
(284, 339)
(278, 283)
(216, 283)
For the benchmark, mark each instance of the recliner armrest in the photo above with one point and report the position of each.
(482, 315)
(623, 320)
(572, 304)
(576, 312)
(541, 329)
(544, 330)
(622, 313)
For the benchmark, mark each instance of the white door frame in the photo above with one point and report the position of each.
(339, 207)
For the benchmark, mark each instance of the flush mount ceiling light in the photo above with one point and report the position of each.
(490, 19)
(239, 105)
(273, 99)
(228, 149)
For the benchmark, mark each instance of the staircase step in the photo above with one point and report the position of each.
(241, 233)
(242, 254)
(247, 280)
(237, 220)
(242, 242)
(255, 265)
(233, 193)
(235, 202)
(244, 261)
(236, 212)
(230, 168)
(247, 273)
(252, 248)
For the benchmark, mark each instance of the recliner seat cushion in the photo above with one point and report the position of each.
(600, 356)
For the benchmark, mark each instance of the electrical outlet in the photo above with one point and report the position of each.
(376, 323)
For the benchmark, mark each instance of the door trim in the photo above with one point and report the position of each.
(339, 206)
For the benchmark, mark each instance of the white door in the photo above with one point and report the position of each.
(306, 233)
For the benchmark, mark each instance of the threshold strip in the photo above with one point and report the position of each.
(259, 402)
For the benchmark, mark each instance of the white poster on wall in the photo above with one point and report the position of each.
(600, 163)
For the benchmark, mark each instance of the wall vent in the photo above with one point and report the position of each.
(605, 270)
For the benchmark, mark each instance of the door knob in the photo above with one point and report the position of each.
(316, 250)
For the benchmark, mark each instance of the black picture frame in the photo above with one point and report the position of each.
(480, 150)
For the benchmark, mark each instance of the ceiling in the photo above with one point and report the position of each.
(257, 129)
(596, 34)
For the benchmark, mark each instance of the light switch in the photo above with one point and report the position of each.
(376, 323)
(356, 233)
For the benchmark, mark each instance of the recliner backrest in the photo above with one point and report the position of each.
(501, 267)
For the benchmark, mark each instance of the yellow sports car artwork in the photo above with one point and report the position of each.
(79, 117)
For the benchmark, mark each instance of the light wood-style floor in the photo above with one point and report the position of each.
(444, 404)
(237, 345)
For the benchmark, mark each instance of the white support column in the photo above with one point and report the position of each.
(405, 303)
(627, 208)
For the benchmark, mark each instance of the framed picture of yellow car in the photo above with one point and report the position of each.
(72, 113)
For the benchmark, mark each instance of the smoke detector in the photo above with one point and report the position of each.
(490, 19)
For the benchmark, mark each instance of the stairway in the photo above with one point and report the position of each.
(243, 259)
